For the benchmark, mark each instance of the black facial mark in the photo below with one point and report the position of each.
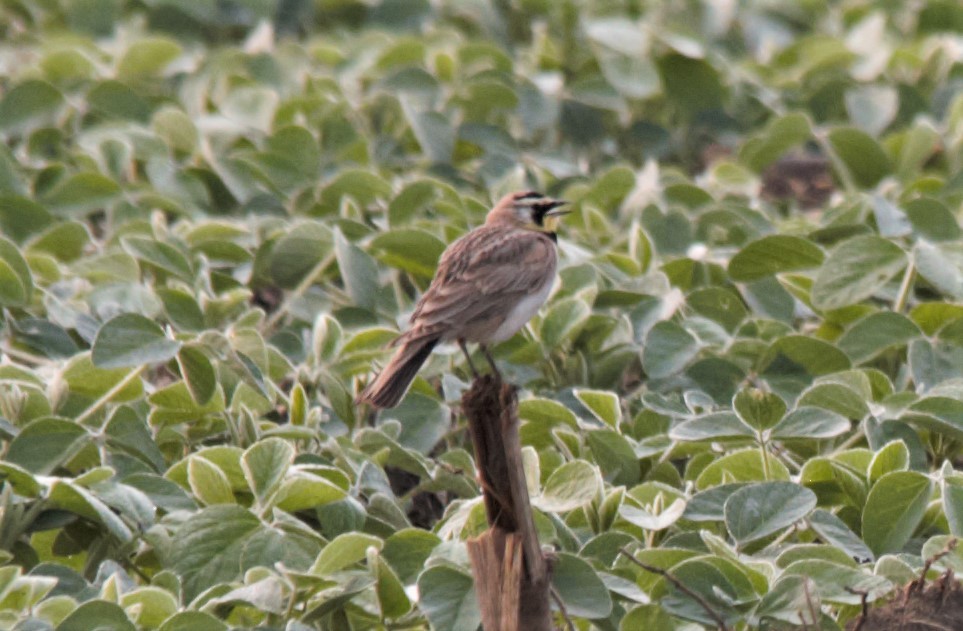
(528, 195)
(539, 211)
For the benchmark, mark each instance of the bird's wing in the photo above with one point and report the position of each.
(482, 274)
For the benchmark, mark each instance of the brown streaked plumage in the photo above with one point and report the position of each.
(489, 283)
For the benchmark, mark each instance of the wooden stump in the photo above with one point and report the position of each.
(512, 576)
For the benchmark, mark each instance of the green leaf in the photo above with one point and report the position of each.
(835, 532)
(68, 496)
(81, 194)
(16, 281)
(358, 272)
(931, 219)
(148, 56)
(86, 379)
(741, 466)
(433, 131)
(97, 614)
(391, 593)
(861, 155)
(29, 104)
(562, 322)
(407, 550)
(131, 339)
(414, 251)
(780, 135)
(855, 269)
(668, 349)
(839, 584)
(758, 510)
(952, 491)
(45, 444)
(875, 333)
(603, 405)
(941, 414)
(21, 217)
(572, 485)
(159, 254)
(265, 464)
(811, 355)
(941, 266)
(774, 254)
(209, 546)
(811, 422)
(192, 621)
(714, 426)
(758, 409)
(579, 587)
(198, 373)
(208, 483)
(447, 598)
(344, 551)
(302, 491)
(894, 507)
(894, 456)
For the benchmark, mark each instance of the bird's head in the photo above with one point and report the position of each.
(528, 209)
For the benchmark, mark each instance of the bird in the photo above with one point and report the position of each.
(488, 284)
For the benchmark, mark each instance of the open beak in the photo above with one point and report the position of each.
(555, 208)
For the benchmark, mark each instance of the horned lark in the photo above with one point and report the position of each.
(489, 283)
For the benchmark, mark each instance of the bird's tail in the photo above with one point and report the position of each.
(391, 385)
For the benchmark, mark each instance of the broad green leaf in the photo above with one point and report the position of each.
(198, 373)
(872, 107)
(668, 349)
(447, 598)
(20, 479)
(66, 495)
(758, 510)
(932, 219)
(572, 485)
(302, 491)
(45, 444)
(152, 604)
(562, 322)
(893, 457)
(855, 269)
(792, 599)
(192, 621)
(715, 426)
(651, 521)
(265, 464)
(16, 280)
(131, 339)
(602, 404)
(344, 551)
(894, 507)
(414, 251)
(952, 492)
(159, 254)
(811, 422)
(741, 466)
(943, 415)
(780, 135)
(29, 104)
(774, 254)
(147, 56)
(209, 547)
(875, 333)
(758, 409)
(579, 587)
(407, 550)
(862, 156)
(941, 266)
(97, 614)
(391, 593)
(208, 483)
(358, 272)
(81, 194)
(837, 583)
(813, 356)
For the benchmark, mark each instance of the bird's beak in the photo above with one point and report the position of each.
(555, 208)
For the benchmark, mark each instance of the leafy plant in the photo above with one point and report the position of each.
(216, 214)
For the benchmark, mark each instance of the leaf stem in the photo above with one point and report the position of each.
(110, 394)
(299, 291)
(904, 289)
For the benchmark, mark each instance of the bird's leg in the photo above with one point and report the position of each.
(491, 360)
(464, 349)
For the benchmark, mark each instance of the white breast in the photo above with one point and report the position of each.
(521, 313)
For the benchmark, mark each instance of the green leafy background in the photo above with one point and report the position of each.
(216, 213)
